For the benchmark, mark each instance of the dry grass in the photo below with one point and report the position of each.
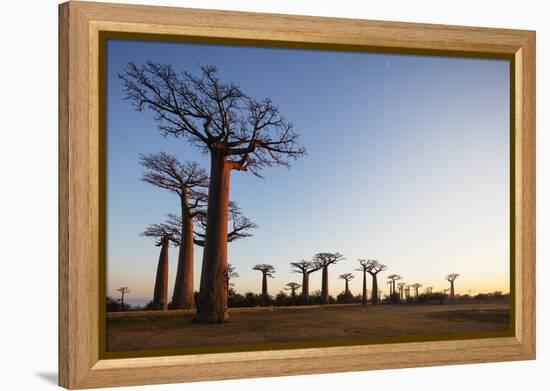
(153, 330)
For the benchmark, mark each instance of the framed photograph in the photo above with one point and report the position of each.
(247, 195)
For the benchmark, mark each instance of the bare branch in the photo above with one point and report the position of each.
(213, 114)
(187, 179)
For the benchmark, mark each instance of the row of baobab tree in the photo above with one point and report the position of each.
(322, 261)
(398, 292)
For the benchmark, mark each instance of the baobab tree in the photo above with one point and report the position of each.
(305, 268)
(189, 182)
(451, 278)
(407, 292)
(292, 286)
(393, 278)
(239, 226)
(429, 290)
(416, 286)
(401, 286)
(123, 290)
(164, 236)
(237, 131)
(323, 261)
(267, 271)
(364, 267)
(347, 277)
(375, 267)
(389, 283)
(231, 273)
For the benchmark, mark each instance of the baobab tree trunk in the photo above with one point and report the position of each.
(184, 297)
(160, 296)
(347, 287)
(122, 301)
(324, 286)
(452, 290)
(364, 298)
(212, 300)
(264, 286)
(305, 287)
(374, 299)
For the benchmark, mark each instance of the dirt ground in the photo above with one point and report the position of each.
(132, 331)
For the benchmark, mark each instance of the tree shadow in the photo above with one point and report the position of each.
(49, 377)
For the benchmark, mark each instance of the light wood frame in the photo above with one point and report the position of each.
(80, 365)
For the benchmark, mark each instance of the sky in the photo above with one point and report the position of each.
(407, 163)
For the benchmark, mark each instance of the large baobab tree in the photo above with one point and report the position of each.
(416, 286)
(374, 268)
(292, 286)
(267, 271)
(451, 278)
(323, 261)
(401, 286)
(237, 131)
(407, 292)
(305, 268)
(347, 277)
(164, 236)
(123, 290)
(364, 267)
(189, 182)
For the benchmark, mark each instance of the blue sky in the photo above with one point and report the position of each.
(408, 163)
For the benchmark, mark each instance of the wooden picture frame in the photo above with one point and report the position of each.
(80, 199)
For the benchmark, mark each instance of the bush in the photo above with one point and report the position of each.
(112, 304)
(344, 298)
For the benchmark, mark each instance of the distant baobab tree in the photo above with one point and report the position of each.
(323, 261)
(364, 267)
(231, 273)
(393, 278)
(164, 236)
(267, 271)
(429, 290)
(189, 182)
(416, 286)
(237, 131)
(407, 292)
(292, 286)
(401, 287)
(374, 268)
(123, 290)
(305, 268)
(347, 277)
(451, 278)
